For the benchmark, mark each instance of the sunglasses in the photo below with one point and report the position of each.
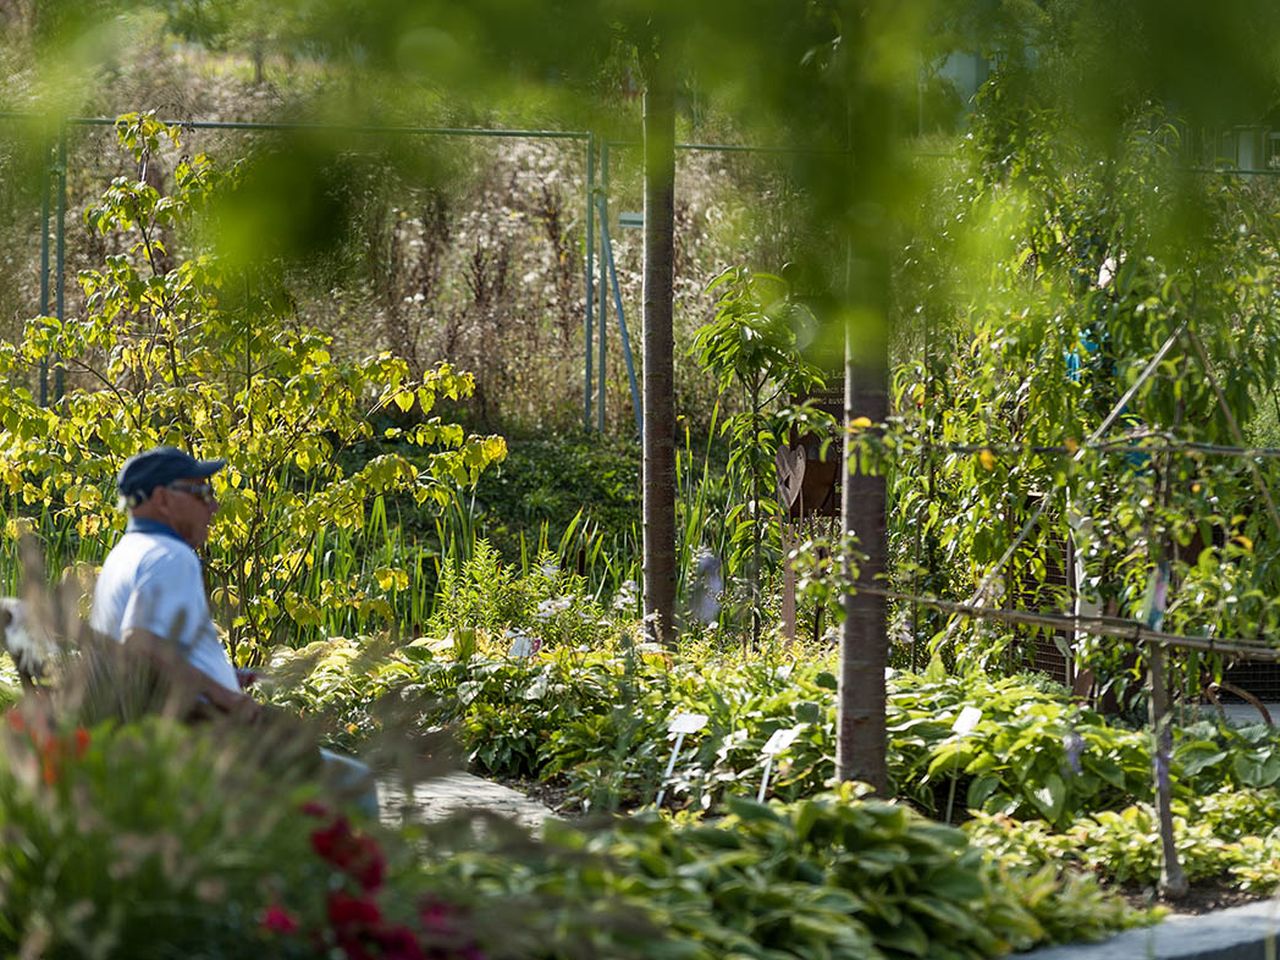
(201, 491)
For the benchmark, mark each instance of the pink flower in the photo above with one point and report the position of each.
(276, 919)
(437, 916)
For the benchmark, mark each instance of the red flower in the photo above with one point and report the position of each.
(367, 866)
(348, 914)
(276, 919)
(314, 808)
(81, 741)
(16, 723)
(330, 843)
(399, 943)
(357, 856)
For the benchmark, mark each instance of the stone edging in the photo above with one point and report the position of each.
(1239, 933)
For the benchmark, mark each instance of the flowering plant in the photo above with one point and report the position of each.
(153, 838)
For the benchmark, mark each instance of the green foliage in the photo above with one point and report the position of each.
(589, 711)
(544, 600)
(152, 837)
(1224, 835)
(833, 876)
(562, 483)
(750, 346)
(171, 352)
(1040, 282)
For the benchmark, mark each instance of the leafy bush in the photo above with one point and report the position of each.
(590, 709)
(1227, 834)
(832, 876)
(547, 603)
(174, 349)
(1031, 754)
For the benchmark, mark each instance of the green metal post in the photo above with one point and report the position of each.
(606, 252)
(59, 293)
(590, 296)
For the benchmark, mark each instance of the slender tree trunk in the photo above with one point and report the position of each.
(864, 643)
(659, 399)
(1173, 881)
(869, 191)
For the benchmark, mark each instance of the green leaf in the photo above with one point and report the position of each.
(1050, 797)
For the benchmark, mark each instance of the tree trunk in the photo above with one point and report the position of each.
(659, 400)
(865, 196)
(864, 642)
(1173, 881)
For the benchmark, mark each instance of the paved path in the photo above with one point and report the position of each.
(439, 797)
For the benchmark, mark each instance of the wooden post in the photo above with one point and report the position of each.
(789, 541)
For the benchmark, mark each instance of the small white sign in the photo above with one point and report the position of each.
(687, 723)
(780, 740)
(523, 646)
(967, 720)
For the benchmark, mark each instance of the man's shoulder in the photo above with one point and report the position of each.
(147, 553)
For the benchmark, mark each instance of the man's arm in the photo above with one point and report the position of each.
(195, 683)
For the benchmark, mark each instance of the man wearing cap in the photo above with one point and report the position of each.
(150, 593)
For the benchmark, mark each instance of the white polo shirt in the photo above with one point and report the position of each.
(152, 581)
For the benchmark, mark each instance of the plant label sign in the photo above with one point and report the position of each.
(680, 725)
(966, 721)
(780, 740)
(687, 723)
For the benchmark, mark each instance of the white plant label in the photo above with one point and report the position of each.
(967, 720)
(687, 723)
(780, 740)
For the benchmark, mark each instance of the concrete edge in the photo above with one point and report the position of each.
(1251, 932)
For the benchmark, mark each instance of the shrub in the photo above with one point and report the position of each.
(152, 839)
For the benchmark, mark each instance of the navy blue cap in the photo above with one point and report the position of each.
(145, 471)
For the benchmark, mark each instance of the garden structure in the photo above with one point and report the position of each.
(1028, 349)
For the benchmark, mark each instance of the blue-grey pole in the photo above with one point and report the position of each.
(590, 297)
(45, 186)
(58, 375)
(606, 251)
(603, 312)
